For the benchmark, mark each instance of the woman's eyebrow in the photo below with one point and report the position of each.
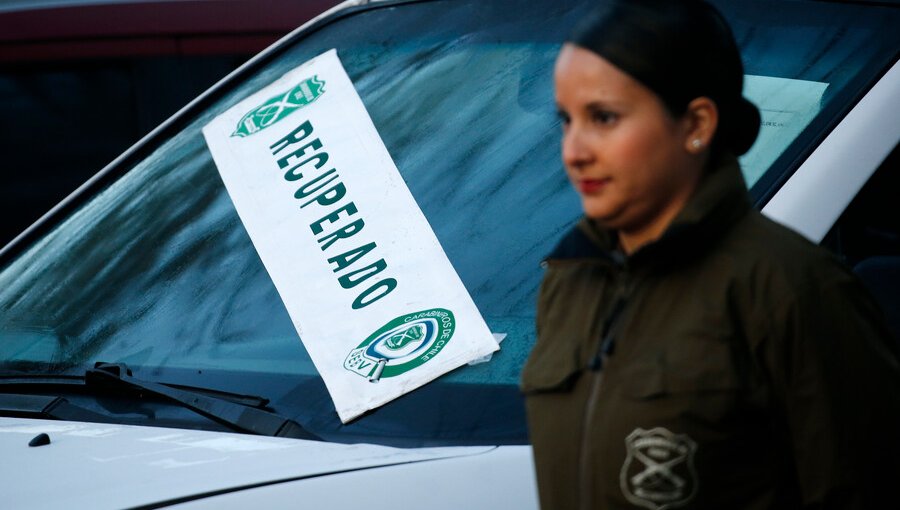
(601, 105)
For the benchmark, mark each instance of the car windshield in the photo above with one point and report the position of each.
(153, 268)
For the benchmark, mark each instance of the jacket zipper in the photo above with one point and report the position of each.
(611, 328)
(586, 496)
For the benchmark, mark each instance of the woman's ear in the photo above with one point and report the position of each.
(701, 120)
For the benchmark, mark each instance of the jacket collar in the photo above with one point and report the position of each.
(718, 202)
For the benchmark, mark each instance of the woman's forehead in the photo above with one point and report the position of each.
(582, 75)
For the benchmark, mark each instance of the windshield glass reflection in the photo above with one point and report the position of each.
(157, 271)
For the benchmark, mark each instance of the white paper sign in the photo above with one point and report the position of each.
(374, 299)
(786, 106)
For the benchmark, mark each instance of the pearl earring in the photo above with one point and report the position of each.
(697, 143)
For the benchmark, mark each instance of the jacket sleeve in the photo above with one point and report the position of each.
(836, 382)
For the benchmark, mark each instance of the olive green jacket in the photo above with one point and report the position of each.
(731, 364)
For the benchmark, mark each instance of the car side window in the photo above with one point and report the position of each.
(870, 226)
(867, 238)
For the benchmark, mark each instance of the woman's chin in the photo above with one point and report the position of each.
(600, 213)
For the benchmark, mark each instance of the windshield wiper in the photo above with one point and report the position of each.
(237, 416)
(31, 378)
(39, 406)
(238, 412)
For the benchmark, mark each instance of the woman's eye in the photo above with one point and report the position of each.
(563, 117)
(604, 117)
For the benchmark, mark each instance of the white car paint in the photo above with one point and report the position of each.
(500, 479)
(819, 191)
(97, 466)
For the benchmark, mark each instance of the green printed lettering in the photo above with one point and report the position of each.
(331, 217)
(303, 130)
(349, 257)
(329, 196)
(342, 233)
(293, 175)
(311, 187)
(354, 278)
(387, 286)
(326, 189)
(315, 144)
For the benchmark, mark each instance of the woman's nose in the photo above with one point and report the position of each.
(575, 153)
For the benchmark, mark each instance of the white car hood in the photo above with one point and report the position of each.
(89, 465)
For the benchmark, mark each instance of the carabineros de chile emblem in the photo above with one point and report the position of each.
(280, 106)
(402, 344)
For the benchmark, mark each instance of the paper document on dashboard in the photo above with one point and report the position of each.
(786, 107)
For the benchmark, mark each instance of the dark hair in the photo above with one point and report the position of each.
(681, 50)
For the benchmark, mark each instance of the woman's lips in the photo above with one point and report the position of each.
(590, 186)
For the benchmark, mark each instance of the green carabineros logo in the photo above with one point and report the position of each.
(405, 337)
(280, 106)
(402, 344)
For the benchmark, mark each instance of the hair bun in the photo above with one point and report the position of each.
(743, 128)
(680, 50)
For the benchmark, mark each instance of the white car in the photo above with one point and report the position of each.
(147, 360)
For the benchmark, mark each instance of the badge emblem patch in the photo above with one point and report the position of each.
(280, 106)
(659, 472)
(402, 344)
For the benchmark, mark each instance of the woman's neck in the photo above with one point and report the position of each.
(633, 238)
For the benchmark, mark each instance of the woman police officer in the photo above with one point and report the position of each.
(692, 353)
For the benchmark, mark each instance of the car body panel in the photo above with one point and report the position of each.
(90, 465)
(501, 478)
(819, 191)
